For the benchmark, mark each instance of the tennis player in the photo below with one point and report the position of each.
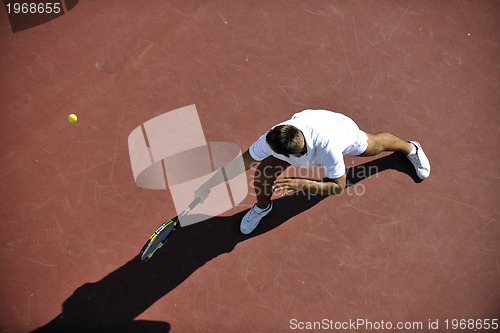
(309, 138)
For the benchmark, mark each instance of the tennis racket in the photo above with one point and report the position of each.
(160, 236)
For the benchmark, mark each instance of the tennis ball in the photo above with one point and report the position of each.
(72, 118)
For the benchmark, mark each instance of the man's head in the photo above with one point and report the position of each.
(286, 140)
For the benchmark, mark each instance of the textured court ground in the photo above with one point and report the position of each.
(390, 249)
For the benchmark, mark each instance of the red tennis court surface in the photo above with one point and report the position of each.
(390, 250)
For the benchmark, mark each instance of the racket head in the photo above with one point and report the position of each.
(158, 238)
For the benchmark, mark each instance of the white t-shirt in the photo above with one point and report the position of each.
(328, 135)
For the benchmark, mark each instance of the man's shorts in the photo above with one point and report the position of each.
(359, 146)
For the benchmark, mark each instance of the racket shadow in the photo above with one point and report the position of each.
(112, 304)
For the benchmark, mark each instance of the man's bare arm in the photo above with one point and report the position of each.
(327, 186)
(234, 168)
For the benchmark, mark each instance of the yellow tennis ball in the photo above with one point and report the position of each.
(72, 118)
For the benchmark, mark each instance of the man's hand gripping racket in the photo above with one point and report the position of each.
(160, 236)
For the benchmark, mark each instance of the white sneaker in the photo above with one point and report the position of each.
(252, 218)
(420, 161)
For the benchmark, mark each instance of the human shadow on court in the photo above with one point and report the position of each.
(112, 304)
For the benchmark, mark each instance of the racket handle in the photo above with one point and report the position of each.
(193, 204)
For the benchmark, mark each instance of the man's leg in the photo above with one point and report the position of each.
(384, 141)
(265, 175)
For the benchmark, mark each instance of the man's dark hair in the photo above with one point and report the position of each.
(285, 139)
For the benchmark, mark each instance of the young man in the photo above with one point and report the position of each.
(310, 138)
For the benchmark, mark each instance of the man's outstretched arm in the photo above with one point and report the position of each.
(326, 186)
(234, 168)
